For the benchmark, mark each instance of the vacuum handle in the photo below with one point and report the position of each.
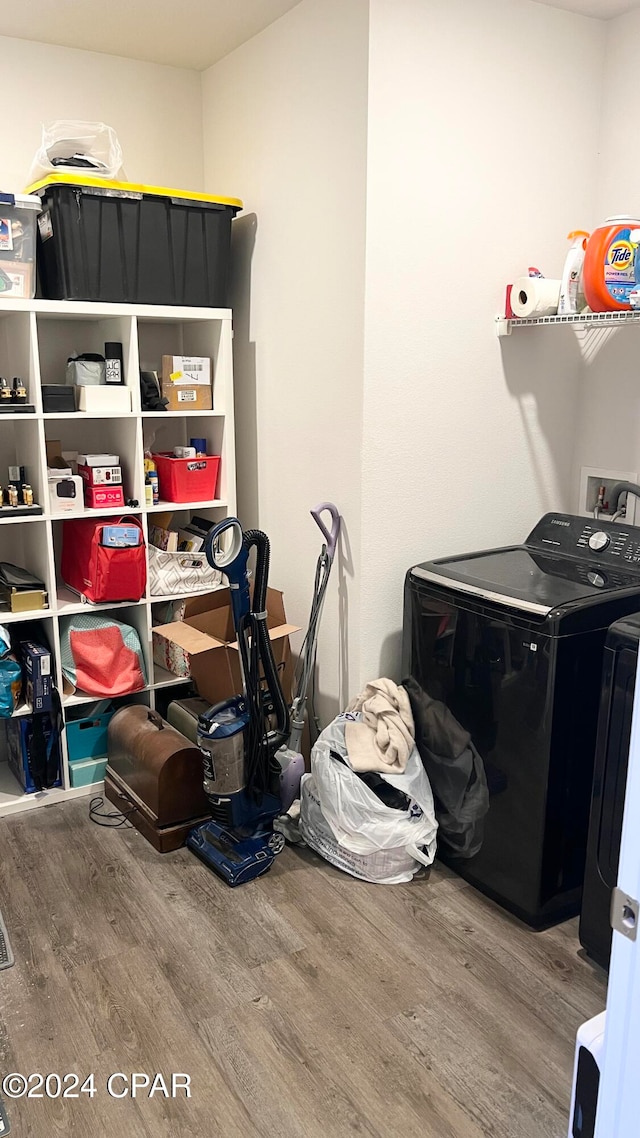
(223, 559)
(233, 563)
(331, 537)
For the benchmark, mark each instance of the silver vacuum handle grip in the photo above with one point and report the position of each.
(331, 537)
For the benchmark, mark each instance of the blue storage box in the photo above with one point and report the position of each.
(84, 773)
(87, 737)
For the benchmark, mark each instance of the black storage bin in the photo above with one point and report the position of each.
(120, 242)
(58, 397)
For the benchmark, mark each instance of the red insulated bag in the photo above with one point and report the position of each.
(97, 572)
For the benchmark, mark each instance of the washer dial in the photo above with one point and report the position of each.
(599, 541)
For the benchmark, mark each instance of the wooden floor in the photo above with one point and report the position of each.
(303, 1004)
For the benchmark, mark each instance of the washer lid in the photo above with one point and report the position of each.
(525, 579)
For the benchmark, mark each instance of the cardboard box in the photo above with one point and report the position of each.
(187, 383)
(36, 662)
(203, 645)
(20, 279)
(55, 461)
(192, 371)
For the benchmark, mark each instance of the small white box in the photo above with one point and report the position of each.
(101, 475)
(104, 399)
(66, 495)
(98, 460)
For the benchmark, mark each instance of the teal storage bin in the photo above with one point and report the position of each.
(84, 773)
(87, 737)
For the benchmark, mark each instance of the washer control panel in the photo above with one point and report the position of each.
(596, 540)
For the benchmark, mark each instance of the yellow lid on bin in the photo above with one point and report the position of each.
(129, 188)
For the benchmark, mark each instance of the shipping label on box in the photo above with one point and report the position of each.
(189, 371)
(187, 398)
(45, 225)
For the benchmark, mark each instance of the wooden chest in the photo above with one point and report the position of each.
(154, 775)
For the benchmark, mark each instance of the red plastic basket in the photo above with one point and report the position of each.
(187, 479)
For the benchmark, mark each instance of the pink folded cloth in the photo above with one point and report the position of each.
(384, 739)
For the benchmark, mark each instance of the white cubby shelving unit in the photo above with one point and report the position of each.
(36, 338)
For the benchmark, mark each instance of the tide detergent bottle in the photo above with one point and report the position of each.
(610, 264)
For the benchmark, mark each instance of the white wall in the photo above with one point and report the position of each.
(619, 168)
(475, 170)
(608, 424)
(156, 111)
(482, 155)
(285, 130)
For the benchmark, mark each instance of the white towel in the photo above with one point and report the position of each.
(384, 739)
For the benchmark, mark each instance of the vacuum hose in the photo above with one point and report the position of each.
(256, 651)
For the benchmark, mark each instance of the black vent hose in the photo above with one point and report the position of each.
(261, 745)
(618, 490)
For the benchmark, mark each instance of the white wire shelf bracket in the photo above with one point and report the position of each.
(505, 326)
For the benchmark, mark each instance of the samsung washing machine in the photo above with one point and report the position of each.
(511, 640)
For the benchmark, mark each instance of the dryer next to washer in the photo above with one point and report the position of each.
(609, 785)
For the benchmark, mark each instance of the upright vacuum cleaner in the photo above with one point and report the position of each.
(239, 738)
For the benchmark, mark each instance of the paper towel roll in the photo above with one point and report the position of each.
(535, 296)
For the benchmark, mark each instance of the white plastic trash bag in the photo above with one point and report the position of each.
(67, 138)
(346, 823)
(388, 867)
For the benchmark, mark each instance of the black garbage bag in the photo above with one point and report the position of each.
(455, 770)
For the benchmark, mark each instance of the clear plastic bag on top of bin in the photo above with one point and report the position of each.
(69, 146)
